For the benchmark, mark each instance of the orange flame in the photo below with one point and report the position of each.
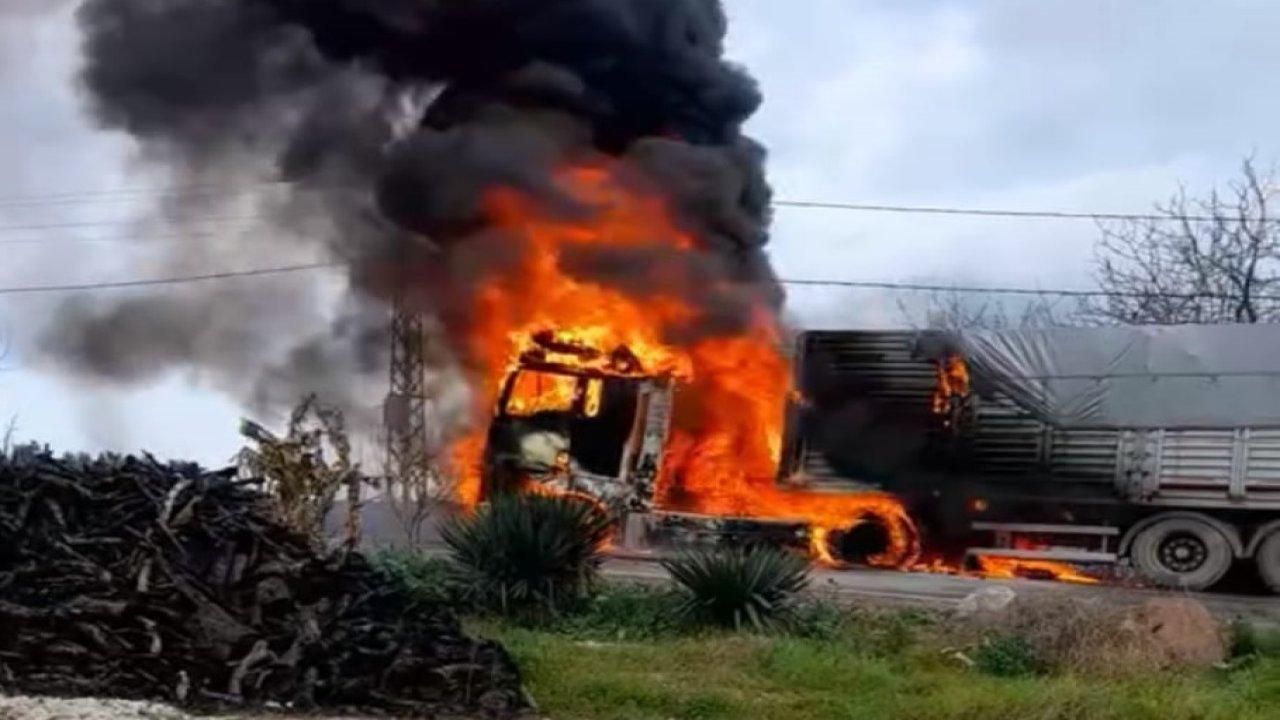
(820, 548)
(953, 385)
(541, 392)
(1005, 568)
(722, 456)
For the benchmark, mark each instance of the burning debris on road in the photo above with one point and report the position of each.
(123, 577)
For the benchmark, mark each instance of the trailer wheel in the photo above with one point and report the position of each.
(1182, 552)
(1268, 559)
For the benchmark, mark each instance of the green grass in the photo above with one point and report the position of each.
(623, 612)
(1250, 641)
(752, 676)
(625, 654)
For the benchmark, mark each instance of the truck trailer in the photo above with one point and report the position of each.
(1153, 447)
(1158, 446)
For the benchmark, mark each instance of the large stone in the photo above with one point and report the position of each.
(986, 601)
(1181, 631)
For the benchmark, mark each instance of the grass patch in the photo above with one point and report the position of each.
(1006, 655)
(625, 654)
(737, 675)
(623, 612)
(1250, 641)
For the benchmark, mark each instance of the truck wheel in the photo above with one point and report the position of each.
(1182, 552)
(1268, 560)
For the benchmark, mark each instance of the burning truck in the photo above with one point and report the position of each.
(1012, 453)
(563, 193)
(626, 393)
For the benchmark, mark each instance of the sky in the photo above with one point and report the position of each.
(1074, 105)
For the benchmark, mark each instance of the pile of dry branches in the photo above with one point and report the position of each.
(124, 577)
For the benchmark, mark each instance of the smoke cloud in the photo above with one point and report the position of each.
(388, 119)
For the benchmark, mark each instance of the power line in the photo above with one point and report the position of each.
(126, 223)
(987, 212)
(857, 284)
(146, 282)
(212, 190)
(884, 285)
(1151, 375)
(995, 290)
(129, 193)
(168, 240)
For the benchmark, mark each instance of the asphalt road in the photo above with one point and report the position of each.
(891, 588)
(928, 590)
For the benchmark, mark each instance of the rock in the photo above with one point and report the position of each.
(498, 702)
(1181, 631)
(986, 601)
(40, 708)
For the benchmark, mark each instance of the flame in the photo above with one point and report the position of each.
(1004, 568)
(464, 457)
(535, 392)
(998, 567)
(952, 385)
(820, 548)
(726, 435)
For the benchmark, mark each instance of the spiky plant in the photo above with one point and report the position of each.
(738, 587)
(527, 554)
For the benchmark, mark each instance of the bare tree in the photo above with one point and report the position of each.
(10, 431)
(955, 310)
(413, 501)
(6, 439)
(1203, 260)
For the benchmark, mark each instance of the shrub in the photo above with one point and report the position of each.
(624, 612)
(523, 554)
(889, 633)
(305, 468)
(1249, 641)
(817, 620)
(738, 587)
(423, 577)
(1006, 655)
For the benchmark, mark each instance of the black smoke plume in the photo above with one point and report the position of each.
(367, 130)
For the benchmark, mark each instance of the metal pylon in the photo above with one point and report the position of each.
(405, 413)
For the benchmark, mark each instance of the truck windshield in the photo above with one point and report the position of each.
(534, 391)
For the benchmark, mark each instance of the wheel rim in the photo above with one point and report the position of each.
(1183, 552)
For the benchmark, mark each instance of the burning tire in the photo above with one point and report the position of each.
(858, 544)
(1268, 560)
(1182, 552)
(874, 540)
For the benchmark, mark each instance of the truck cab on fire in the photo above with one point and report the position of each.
(597, 428)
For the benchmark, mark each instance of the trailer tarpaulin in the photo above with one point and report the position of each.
(1213, 376)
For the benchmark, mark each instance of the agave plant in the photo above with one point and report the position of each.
(527, 553)
(738, 587)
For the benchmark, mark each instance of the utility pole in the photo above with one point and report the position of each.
(405, 412)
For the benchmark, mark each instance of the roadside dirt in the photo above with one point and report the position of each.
(42, 708)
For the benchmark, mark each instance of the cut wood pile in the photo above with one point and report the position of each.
(125, 577)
